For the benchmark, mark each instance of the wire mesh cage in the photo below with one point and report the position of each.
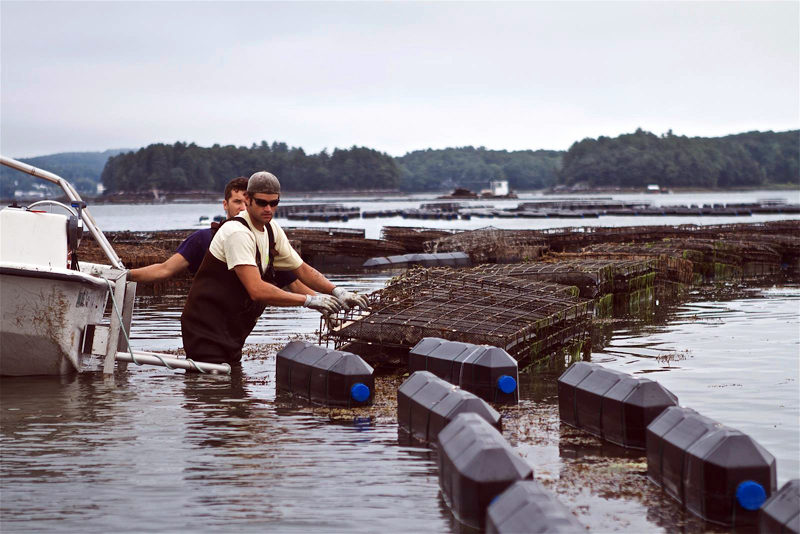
(492, 245)
(526, 318)
(413, 238)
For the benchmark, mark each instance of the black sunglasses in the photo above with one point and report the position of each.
(264, 203)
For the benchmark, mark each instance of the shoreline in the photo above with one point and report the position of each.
(293, 196)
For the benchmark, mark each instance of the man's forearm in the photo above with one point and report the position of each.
(159, 271)
(151, 273)
(299, 287)
(313, 279)
(265, 293)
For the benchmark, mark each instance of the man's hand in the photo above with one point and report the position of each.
(349, 299)
(325, 304)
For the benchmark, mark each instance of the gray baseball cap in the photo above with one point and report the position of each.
(264, 182)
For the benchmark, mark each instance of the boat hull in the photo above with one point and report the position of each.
(44, 314)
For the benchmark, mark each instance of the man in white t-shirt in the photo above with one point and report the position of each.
(235, 282)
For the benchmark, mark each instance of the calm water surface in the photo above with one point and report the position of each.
(160, 451)
(736, 361)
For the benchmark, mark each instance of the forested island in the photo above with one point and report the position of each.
(629, 161)
(753, 159)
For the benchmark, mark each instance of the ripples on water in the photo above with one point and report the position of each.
(736, 361)
(162, 451)
(166, 452)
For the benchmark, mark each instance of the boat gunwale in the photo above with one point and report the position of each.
(52, 273)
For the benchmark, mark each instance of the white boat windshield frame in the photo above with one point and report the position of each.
(73, 196)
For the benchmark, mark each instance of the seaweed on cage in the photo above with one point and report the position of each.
(468, 307)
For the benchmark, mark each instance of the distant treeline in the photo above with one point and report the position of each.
(634, 160)
(473, 168)
(181, 167)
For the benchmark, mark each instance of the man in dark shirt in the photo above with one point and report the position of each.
(191, 251)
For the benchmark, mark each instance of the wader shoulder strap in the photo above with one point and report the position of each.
(272, 253)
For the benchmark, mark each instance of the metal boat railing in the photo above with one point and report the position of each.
(121, 291)
(73, 196)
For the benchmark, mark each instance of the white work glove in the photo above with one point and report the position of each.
(325, 304)
(348, 299)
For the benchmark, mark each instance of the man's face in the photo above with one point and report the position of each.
(235, 204)
(260, 207)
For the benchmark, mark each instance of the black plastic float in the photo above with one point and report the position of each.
(528, 507)
(567, 383)
(589, 398)
(781, 513)
(476, 464)
(324, 376)
(728, 476)
(610, 404)
(717, 472)
(488, 372)
(672, 443)
(629, 406)
(424, 392)
(426, 404)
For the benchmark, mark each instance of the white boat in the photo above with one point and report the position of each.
(54, 310)
(46, 307)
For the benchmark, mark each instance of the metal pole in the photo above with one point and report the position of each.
(115, 324)
(152, 358)
(72, 195)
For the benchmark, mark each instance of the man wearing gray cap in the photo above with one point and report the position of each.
(235, 282)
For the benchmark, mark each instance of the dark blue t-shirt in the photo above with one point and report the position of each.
(195, 246)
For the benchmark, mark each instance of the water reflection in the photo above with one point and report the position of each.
(733, 360)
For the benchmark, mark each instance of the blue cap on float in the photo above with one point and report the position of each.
(359, 392)
(751, 495)
(507, 384)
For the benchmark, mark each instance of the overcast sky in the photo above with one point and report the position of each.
(396, 76)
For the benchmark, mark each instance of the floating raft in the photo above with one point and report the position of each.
(612, 283)
(721, 259)
(716, 472)
(491, 245)
(574, 239)
(669, 269)
(535, 322)
(527, 503)
(318, 212)
(311, 234)
(413, 239)
(339, 247)
(592, 277)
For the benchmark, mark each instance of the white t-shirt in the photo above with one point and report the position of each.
(236, 245)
